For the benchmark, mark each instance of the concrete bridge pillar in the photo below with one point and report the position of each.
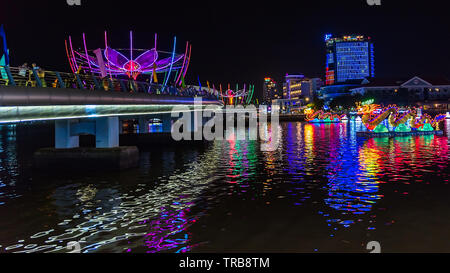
(196, 121)
(107, 132)
(68, 156)
(166, 123)
(120, 126)
(63, 137)
(143, 125)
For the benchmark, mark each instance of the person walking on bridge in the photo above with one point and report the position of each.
(23, 69)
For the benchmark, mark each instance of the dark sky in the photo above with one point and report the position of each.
(237, 41)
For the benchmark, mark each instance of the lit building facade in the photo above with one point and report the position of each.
(270, 91)
(348, 58)
(298, 87)
(298, 91)
(292, 87)
(309, 88)
(433, 92)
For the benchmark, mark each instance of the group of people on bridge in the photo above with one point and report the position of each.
(35, 76)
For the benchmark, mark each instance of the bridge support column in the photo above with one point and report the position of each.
(166, 123)
(143, 125)
(196, 121)
(107, 132)
(67, 156)
(63, 137)
(120, 126)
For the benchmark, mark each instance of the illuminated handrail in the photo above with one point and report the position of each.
(39, 78)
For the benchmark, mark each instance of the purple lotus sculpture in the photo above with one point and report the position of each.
(131, 62)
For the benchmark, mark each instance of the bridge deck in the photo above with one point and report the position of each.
(31, 98)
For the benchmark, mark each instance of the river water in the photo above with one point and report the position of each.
(323, 190)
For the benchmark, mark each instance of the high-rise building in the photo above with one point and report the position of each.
(270, 90)
(298, 91)
(348, 58)
(292, 87)
(299, 87)
(310, 87)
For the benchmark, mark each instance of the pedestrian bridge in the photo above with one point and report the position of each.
(33, 95)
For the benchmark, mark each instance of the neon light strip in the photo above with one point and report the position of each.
(106, 51)
(98, 116)
(221, 93)
(68, 56)
(91, 62)
(184, 61)
(248, 95)
(237, 90)
(251, 91)
(189, 60)
(154, 64)
(131, 45)
(73, 55)
(244, 98)
(85, 50)
(131, 53)
(176, 74)
(171, 64)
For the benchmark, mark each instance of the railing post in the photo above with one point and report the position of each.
(10, 77)
(36, 76)
(149, 90)
(124, 88)
(80, 83)
(111, 86)
(97, 85)
(142, 86)
(60, 81)
(133, 87)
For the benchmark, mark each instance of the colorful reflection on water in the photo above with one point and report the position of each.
(323, 189)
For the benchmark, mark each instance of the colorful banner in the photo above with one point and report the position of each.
(155, 78)
(2, 69)
(101, 63)
(5, 47)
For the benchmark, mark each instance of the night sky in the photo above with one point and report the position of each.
(236, 41)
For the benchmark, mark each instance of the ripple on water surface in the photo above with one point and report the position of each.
(189, 199)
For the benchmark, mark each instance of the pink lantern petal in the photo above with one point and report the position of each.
(115, 58)
(147, 59)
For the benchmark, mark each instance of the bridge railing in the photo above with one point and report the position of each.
(21, 76)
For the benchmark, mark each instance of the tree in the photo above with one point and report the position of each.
(345, 101)
(317, 104)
